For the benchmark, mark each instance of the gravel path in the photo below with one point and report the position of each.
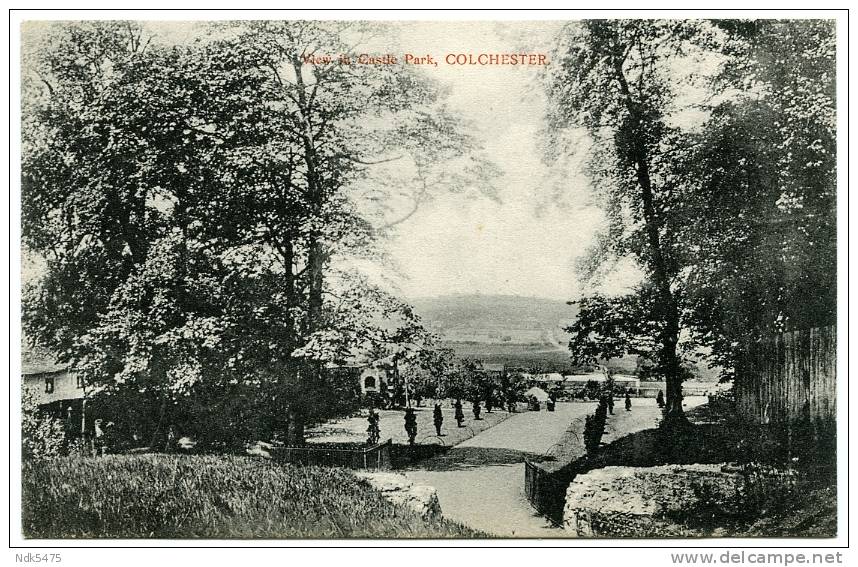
(480, 482)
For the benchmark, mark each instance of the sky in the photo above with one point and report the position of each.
(526, 243)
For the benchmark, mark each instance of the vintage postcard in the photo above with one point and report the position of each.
(287, 279)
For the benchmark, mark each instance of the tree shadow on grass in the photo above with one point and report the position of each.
(704, 443)
(440, 458)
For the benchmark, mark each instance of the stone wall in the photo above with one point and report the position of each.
(399, 490)
(645, 501)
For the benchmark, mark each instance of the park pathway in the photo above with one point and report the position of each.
(480, 482)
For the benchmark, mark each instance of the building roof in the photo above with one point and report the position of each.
(585, 378)
(599, 377)
(625, 378)
(549, 377)
(38, 360)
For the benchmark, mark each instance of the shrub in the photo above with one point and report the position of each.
(42, 436)
(723, 401)
(592, 389)
(594, 426)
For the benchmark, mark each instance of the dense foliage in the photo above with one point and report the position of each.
(42, 436)
(196, 207)
(713, 156)
(762, 247)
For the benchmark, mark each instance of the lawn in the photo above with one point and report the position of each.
(392, 426)
(210, 496)
(428, 444)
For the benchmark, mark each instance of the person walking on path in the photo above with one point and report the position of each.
(611, 401)
(410, 425)
(489, 402)
(659, 399)
(460, 415)
(628, 401)
(438, 418)
(476, 410)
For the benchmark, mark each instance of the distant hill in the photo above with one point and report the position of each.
(517, 331)
(508, 329)
(495, 318)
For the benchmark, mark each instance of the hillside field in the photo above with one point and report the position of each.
(521, 332)
(524, 332)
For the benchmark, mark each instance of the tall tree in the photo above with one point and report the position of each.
(346, 119)
(133, 175)
(613, 78)
(741, 206)
(189, 202)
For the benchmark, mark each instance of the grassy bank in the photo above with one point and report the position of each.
(166, 496)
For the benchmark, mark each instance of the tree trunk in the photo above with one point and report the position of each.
(673, 403)
(668, 311)
(316, 257)
(316, 261)
(287, 373)
(162, 412)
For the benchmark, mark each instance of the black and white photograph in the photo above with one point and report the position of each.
(423, 278)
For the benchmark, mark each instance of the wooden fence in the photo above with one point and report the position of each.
(545, 492)
(791, 379)
(376, 457)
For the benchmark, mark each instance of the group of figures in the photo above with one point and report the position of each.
(373, 430)
(608, 400)
(535, 405)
